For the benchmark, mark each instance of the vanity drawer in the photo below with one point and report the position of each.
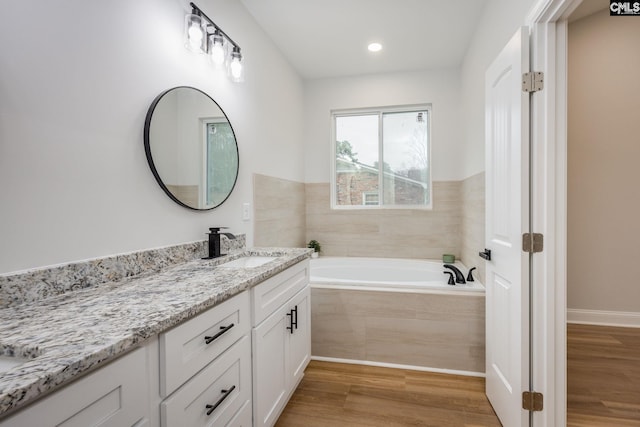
(189, 347)
(271, 294)
(225, 383)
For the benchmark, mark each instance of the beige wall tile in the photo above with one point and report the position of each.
(279, 212)
(473, 216)
(430, 330)
(386, 232)
(340, 336)
(444, 344)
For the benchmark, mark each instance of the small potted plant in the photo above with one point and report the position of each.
(315, 245)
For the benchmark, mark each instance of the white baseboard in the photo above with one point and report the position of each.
(398, 366)
(604, 318)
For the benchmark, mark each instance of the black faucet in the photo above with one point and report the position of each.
(214, 241)
(470, 276)
(458, 273)
(450, 281)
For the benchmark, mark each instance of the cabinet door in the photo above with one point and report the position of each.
(300, 339)
(113, 396)
(270, 361)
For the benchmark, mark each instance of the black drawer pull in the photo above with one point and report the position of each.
(293, 318)
(226, 394)
(295, 314)
(223, 329)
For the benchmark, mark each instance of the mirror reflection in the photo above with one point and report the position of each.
(191, 148)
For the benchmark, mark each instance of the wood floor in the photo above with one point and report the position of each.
(603, 390)
(603, 376)
(333, 394)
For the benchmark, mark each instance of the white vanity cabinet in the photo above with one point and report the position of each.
(113, 396)
(205, 368)
(233, 365)
(281, 340)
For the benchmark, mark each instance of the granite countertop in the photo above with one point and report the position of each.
(70, 334)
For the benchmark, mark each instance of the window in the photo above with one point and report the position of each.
(381, 158)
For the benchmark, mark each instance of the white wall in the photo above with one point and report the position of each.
(438, 87)
(457, 95)
(76, 80)
(603, 173)
(498, 22)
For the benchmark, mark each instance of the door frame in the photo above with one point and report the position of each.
(548, 25)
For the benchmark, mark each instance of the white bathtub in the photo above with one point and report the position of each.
(390, 274)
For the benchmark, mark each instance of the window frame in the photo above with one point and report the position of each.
(379, 111)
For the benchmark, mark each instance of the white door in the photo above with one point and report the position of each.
(507, 218)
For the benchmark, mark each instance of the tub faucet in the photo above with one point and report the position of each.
(214, 241)
(458, 273)
(450, 281)
(470, 275)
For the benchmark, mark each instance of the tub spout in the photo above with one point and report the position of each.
(457, 272)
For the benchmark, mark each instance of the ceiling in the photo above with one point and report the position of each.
(329, 38)
(588, 7)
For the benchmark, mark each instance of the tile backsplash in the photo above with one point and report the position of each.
(279, 212)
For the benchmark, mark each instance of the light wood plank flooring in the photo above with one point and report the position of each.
(334, 394)
(603, 377)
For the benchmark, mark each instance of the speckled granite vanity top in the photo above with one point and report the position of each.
(71, 333)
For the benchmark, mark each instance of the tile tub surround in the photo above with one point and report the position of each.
(279, 212)
(473, 217)
(88, 327)
(36, 284)
(418, 329)
(391, 233)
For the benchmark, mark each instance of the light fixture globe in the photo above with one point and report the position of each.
(216, 48)
(194, 33)
(236, 68)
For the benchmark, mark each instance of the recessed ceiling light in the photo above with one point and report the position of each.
(374, 47)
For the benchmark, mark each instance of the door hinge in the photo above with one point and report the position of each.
(532, 401)
(532, 242)
(532, 81)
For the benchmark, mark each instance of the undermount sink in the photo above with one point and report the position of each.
(9, 362)
(248, 262)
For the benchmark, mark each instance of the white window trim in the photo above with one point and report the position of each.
(370, 193)
(379, 110)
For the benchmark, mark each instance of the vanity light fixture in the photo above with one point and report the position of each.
(202, 35)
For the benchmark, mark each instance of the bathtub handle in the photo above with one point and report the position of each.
(470, 275)
(450, 282)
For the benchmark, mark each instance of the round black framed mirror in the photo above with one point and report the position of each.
(191, 148)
